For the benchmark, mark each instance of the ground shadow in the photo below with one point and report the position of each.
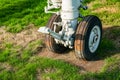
(110, 44)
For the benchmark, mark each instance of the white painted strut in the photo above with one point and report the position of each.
(69, 14)
(70, 9)
(46, 30)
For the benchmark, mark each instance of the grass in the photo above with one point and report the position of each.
(18, 63)
(26, 65)
(16, 15)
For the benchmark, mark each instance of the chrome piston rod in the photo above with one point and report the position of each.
(48, 31)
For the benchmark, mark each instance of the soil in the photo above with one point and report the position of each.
(26, 36)
(85, 66)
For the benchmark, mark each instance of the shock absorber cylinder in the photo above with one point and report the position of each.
(70, 12)
(69, 15)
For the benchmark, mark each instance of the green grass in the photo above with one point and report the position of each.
(26, 65)
(23, 63)
(108, 17)
(17, 15)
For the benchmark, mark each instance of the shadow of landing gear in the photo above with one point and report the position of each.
(110, 44)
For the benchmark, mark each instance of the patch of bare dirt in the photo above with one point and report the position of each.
(6, 66)
(89, 66)
(107, 9)
(23, 38)
(26, 36)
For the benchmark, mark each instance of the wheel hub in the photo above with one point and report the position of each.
(94, 39)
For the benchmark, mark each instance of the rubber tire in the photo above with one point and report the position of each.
(50, 42)
(84, 28)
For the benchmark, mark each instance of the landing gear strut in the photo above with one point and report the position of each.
(64, 30)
